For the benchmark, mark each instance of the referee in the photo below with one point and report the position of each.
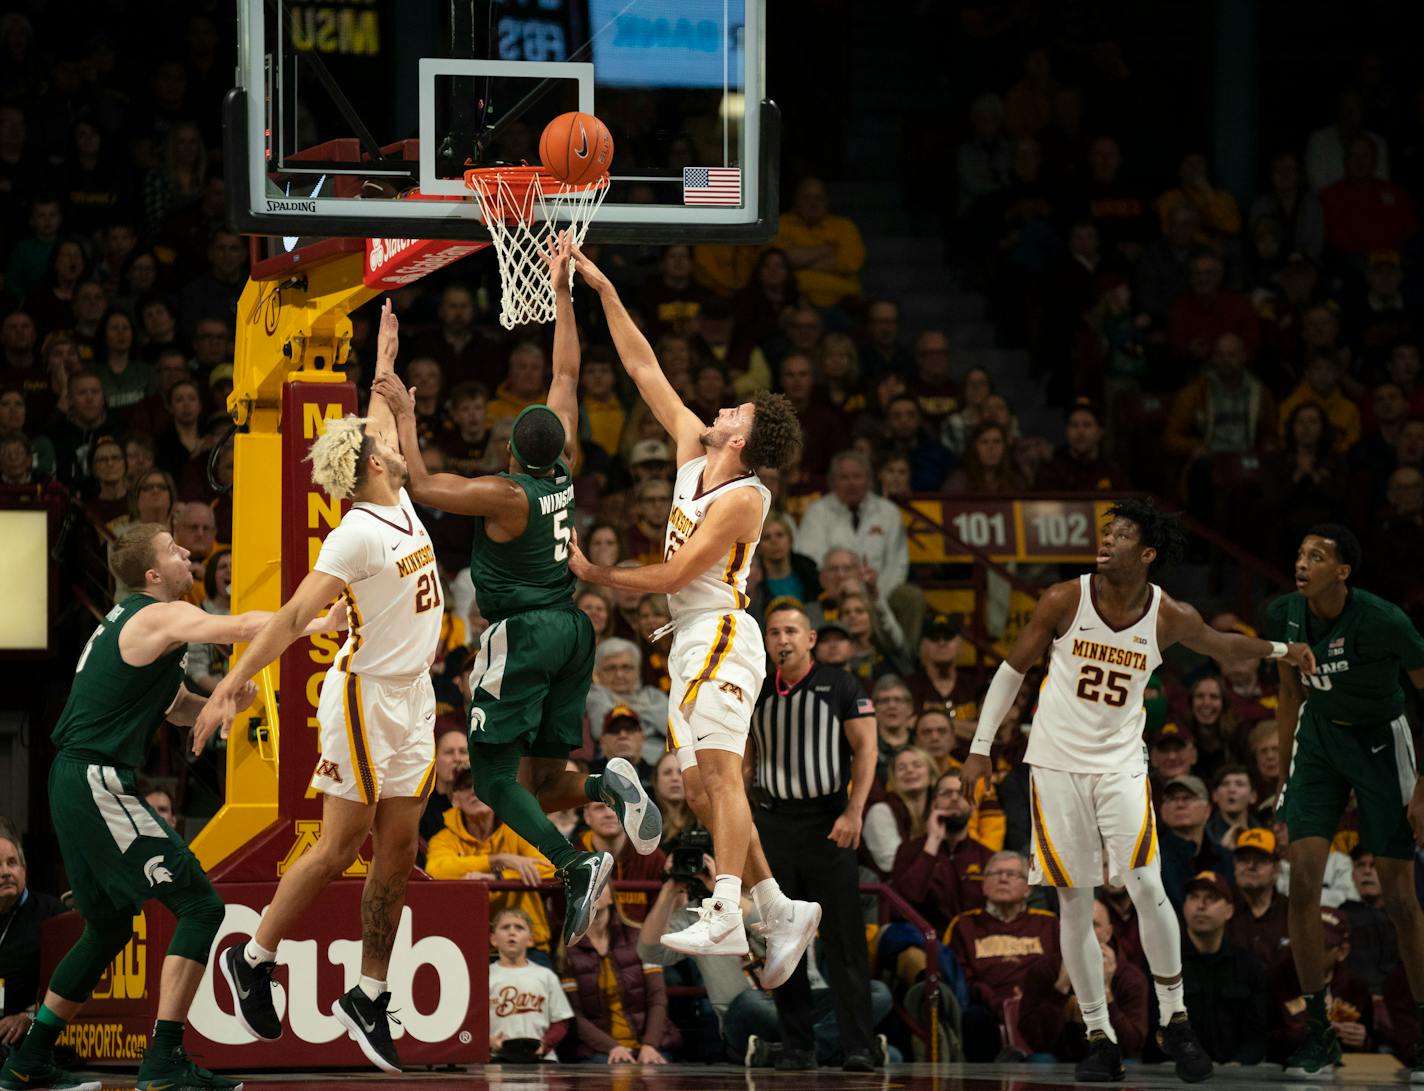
(814, 730)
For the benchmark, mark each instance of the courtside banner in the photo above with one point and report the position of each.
(439, 982)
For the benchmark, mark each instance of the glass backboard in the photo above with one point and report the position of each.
(359, 117)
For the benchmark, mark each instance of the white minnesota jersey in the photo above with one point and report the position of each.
(385, 558)
(1090, 715)
(724, 585)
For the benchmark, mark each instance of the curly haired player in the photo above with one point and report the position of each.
(718, 661)
(1090, 789)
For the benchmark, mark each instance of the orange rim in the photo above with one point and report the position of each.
(508, 190)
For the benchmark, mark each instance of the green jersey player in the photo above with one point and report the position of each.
(118, 853)
(1343, 730)
(531, 676)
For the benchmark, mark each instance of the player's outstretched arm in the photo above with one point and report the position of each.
(641, 364)
(286, 625)
(488, 496)
(158, 628)
(1179, 623)
(563, 388)
(380, 421)
(1055, 606)
(732, 519)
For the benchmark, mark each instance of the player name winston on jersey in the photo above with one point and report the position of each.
(556, 500)
(414, 562)
(1106, 653)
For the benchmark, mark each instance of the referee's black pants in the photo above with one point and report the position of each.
(812, 868)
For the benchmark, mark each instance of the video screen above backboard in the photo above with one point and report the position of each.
(359, 118)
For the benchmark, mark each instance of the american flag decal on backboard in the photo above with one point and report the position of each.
(711, 185)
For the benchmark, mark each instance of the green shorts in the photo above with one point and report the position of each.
(1376, 761)
(530, 680)
(117, 852)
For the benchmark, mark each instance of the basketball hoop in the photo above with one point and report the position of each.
(508, 198)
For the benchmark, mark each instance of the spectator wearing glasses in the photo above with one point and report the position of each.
(997, 946)
(1259, 923)
(894, 720)
(618, 684)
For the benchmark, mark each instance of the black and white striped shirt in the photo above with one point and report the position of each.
(802, 748)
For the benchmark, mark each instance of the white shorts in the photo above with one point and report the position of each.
(716, 666)
(1076, 815)
(377, 737)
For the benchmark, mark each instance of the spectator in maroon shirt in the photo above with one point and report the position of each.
(1080, 465)
(939, 873)
(997, 946)
(1259, 923)
(605, 833)
(1347, 1001)
(1050, 1019)
(938, 683)
(1205, 311)
(1364, 213)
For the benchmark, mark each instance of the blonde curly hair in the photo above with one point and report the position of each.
(336, 456)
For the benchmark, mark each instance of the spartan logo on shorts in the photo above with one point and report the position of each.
(328, 769)
(156, 873)
(477, 719)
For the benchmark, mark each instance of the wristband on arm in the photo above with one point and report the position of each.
(997, 702)
(1278, 650)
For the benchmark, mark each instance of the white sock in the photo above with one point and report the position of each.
(371, 987)
(728, 891)
(1170, 999)
(254, 953)
(1095, 1016)
(768, 899)
(1083, 957)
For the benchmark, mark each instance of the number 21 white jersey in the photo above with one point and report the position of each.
(1090, 714)
(387, 561)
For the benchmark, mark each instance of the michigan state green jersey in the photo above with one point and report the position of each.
(114, 708)
(532, 571)
(1358, 655)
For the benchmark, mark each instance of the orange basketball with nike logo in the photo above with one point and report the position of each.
(576, 148)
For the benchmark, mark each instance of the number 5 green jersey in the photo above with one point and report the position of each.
(1358, 655)
(532, 571)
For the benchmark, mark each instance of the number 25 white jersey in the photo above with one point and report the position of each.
(387, 561)
(1090, 715)
(724, 585)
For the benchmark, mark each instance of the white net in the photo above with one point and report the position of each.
(508, 202)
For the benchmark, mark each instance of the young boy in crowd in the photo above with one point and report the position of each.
(529, 1013)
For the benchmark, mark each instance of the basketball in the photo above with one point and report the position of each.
(576, 148)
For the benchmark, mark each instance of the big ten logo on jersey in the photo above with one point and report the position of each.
(680, 528)
(436, 1011)
(306, 832)
(127, 976)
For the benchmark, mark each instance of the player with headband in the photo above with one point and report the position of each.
(531, 677)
